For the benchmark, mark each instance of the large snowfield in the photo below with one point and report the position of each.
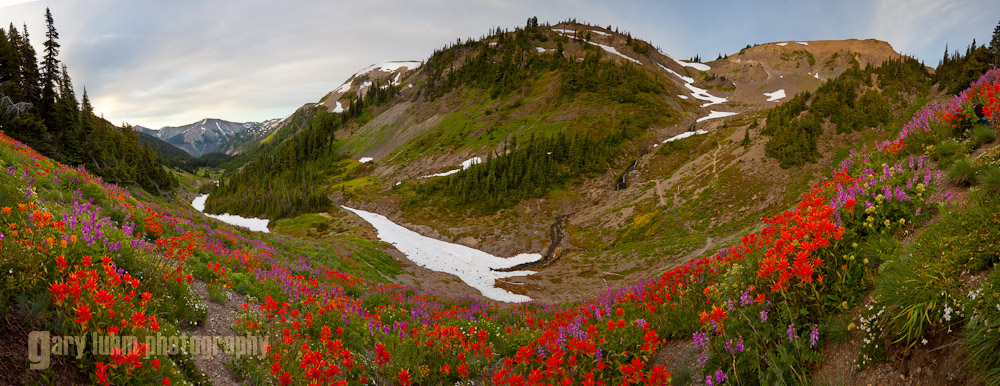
(473, 266)
(254, 224)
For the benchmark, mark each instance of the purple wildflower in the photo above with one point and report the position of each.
(720, 377)
(791, 332)
(814, 335)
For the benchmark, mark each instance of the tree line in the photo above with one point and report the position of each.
(38, 106)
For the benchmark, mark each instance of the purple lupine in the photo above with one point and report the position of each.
(720, 377)
(791, 332)
(814, 335)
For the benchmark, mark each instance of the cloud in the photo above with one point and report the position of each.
(168, 63)
(11, 3)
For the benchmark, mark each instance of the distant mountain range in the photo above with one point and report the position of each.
(209, 135)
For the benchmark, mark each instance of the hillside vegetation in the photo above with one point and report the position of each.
(38, 105)
(759, 312)
(508, 77)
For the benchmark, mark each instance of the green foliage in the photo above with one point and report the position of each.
(961, 171)
(266, 186)
(981, 135)
(989, 179)
(850, 102)
(55, 124)
(506, 67)
(919, 284)
(980, 338)
(956, 71)
(530, 170)
(947, 152)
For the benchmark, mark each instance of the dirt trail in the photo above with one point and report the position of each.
(218, 323)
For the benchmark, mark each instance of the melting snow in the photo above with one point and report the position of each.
(393, 66)
(702, 94)
(816, 75)
(540, 49)
(685, 135)
(683, 96)
(365, 160)
(465, 165)
(686, 79)
(783, 44)
(339, 108)
(715, 114)
(803, 43)
(614, 51)
(344, 87)
(775, 96)
(696, 66)
(254, 224)
(606, 48)
(471, 161)
(474, 267)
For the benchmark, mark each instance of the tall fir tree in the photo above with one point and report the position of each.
(68, 117)
(995, 46)
(51, 73)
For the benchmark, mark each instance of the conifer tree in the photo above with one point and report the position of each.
(50, 65)
(995, 45)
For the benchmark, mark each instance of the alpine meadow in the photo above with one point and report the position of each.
(550, 202)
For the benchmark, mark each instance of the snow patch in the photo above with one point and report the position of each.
(465, 165)
(614, 51)
(683, 96)
(803, 43)
(393, 66)
(783, 44)
(476, 268)
(775, 96)
(702, 94)
(339, 108)
(254, 224)
(696, 66)
(541, 50)
(471, 161)
(365, 160)
(685, 135)
(816, 75)
(715, 114)
(604, 47)
(686, 79)
(344, 87)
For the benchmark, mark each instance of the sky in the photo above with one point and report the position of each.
(172, 62)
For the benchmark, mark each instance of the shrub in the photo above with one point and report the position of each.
(981, 135)
(989, 178)
(961, 171)
(946, 152)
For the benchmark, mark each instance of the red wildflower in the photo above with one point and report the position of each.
(404, 377)
(101, 373)
(718, 314)
(82, 314)
(381, 355)
(659, 376)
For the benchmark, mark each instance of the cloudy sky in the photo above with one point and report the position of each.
(172, 62)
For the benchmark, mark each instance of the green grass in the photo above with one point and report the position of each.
(299, 226)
